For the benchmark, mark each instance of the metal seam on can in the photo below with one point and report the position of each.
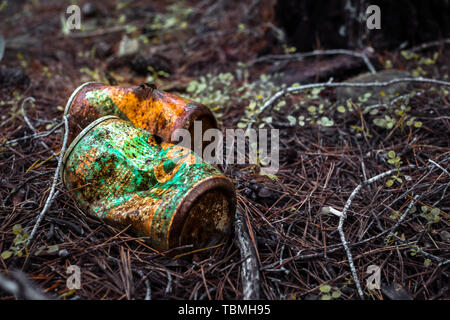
(75, 92)
(78, 138)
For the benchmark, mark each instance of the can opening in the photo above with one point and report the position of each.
(208, 122)
(208, 221)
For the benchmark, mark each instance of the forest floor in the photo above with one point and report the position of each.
(328, 146)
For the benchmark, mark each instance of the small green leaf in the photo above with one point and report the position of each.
(389, 183)
(326, 297)
(391, 154)
(292, 120)
(281, 103)
(6, 254)
(39, 250)
(417, 124)
(341, 109)
(424, 208)
(53, 248)
(427, 263)
(336, 294)
(326, 122)
(17, 229)
(325, 288)
(435, 211)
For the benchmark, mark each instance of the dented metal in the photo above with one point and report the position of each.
(146, 107)
(125, 176)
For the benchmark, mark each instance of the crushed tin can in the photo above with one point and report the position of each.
(156, 111)
(126, 176)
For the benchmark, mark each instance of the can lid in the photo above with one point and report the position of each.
(78, 138)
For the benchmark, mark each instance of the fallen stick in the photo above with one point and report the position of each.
(344, 215)
(33, 136)
(337, 247)
(329, 84)
(148, 290)
(30, 125)
(250, 270)
(427, 45)
(55, 180)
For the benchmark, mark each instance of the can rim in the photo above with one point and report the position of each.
(78, 138)
(74, 93)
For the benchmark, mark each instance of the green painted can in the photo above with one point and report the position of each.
(125, 176)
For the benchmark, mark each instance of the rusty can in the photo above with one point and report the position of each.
(126, 176)
(146, 107)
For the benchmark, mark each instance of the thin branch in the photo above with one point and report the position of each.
(429, 45)
(148, 291)
(395, 100)
(439, 166)
(12, 192)
(33, 136)
(250, 272)
(55, 180)
(25, 115)
(285, 91)
(344, 215)
(336, 247)
(169, 283)
(30, 125)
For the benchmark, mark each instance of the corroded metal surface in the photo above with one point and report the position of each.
(147, 108)
(121, 174)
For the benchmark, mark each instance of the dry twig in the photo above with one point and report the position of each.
(55, 180)
(250, 272)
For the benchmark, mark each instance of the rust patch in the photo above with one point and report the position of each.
(156, 111)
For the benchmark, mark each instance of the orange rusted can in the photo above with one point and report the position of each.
(166, 193)
(156, 111)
